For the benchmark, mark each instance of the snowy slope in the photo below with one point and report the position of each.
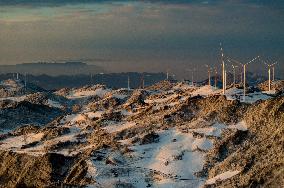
(113, 130)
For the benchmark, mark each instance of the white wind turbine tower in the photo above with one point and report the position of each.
(241, 74)
(128, 83)
(223, 70)
(269, 73)
(234, 72)
(216, 73)
(142, 81)
(244, 65)
(209, 74)
(192, 79)
(167, 74)
(192, 71)
(174, 77)
(225, 79)
(273, 74)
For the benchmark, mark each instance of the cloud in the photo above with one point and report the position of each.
(37, 3)
(138, 34)
(53, 3)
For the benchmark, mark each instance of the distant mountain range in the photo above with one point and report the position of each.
(76, 74)
(116, 80)
(113, 80)
(53, 69)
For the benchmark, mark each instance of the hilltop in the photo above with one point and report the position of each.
(166, 135)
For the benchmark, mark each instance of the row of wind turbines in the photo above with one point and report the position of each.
(234, 64)
(244, 66)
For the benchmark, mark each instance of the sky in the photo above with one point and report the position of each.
(152, 36)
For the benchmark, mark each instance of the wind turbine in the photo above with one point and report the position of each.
(167, 74)
(234, 72)
(174, 77)
(273, 75)
(128, 83)
(216, 73)
(244, 65)
(269, 72)
(209, 74)
(142, 81)
(192, 71)
(225, 79)
(241, 74)
(223, 69)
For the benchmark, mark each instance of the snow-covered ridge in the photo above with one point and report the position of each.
(175, 158)
(87, 92)
(141, 137)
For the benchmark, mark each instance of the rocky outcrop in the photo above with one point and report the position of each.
(163, 85)
(218, 108)
(49, 170)
(260, 153)
(21, 113)
(277, 85)
(149, 138)
(12, 88)
(137, 99)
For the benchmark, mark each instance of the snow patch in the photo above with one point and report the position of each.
(120, 96)
(18, 141)
(214, 130)
(240, 126)
(173, 156)
(271, 92)
(202, 143)
(87, 93)
(206, 91)
(119, 127)
(253, 97)
(160, 100)
(92, 171)
(16, 99)
(54, 104)
(221, 177)
(96, 114)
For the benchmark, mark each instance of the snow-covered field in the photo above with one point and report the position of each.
(171, 162)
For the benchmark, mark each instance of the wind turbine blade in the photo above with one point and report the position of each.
(252, 60)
